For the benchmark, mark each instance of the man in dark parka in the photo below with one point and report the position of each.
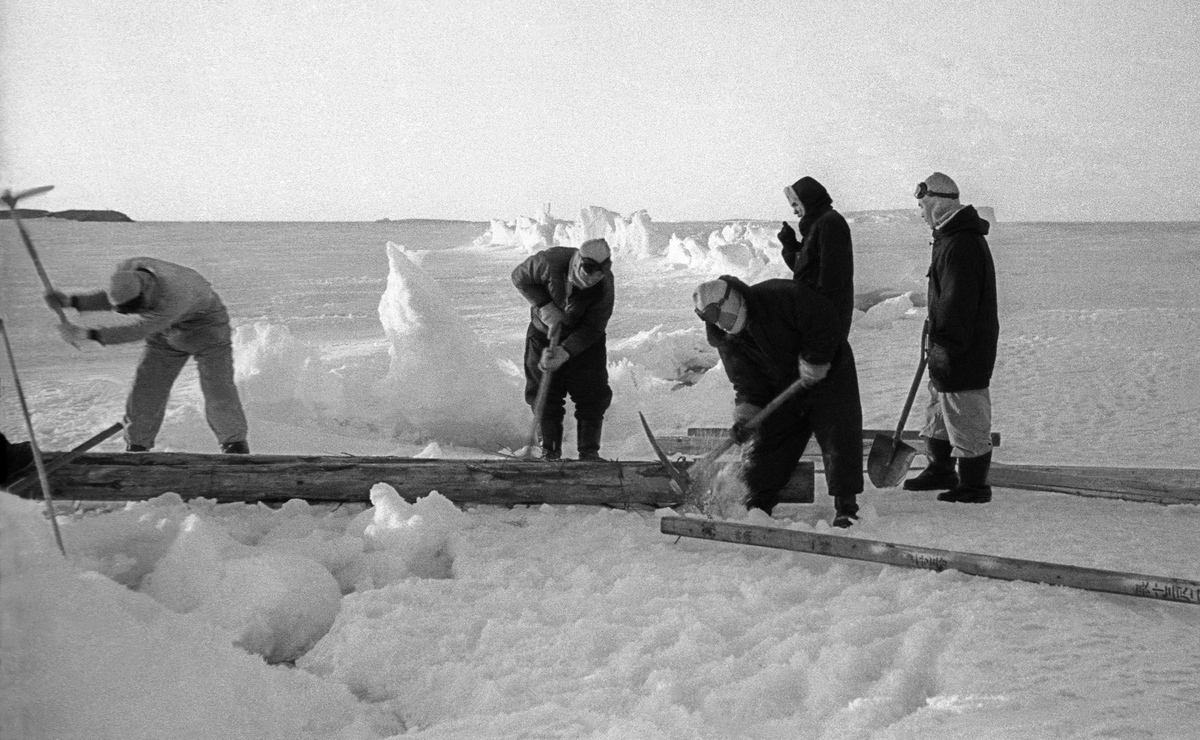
(573, 288)
(769, 335)
(964, 330)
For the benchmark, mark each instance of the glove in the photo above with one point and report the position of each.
(811, 374)
(939, 361)
(553, 358)
(73, 335)
(59, 299)
(787, 237)
(551, 314)
(742, 414)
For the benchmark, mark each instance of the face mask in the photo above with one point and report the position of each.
(585, 273)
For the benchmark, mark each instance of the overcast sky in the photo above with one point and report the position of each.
(705, 109)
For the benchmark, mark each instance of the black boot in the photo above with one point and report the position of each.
(136, 448)
(236, 448)
(552, 431)
(973, 488)
(939, 472)
(845, 511)
(589, 438)
(15, 458)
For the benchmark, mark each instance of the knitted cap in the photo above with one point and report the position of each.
(124, 286)
(940, 182)
(595, 249)
(717, 303)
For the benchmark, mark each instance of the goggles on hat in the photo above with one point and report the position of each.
(712, 312)
(923, 191)
(590, 266)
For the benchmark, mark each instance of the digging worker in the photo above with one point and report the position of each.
(179, 316)
(964, 329)
(769, 335)
(823, 256)
(571, 288)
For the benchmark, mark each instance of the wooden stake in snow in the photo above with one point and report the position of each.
(927, 558)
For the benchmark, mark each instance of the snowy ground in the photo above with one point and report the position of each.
(365, 621)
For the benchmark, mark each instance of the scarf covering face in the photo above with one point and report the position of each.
(716, 298)
(595, 250)
(815, 199)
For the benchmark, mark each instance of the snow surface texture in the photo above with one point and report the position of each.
(199, 620)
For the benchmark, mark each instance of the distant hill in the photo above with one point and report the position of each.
(70, 215)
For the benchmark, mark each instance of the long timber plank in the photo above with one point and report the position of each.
(928, 558)
(700, 440)
(1155, 485)
(278, 478)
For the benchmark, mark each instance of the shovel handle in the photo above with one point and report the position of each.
(539, 405)
(757, 420)
(37, 261)
(912, 392)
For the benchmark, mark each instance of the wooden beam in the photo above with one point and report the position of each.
(1156, 485)
(927, 558)
(700, 440)
(278, 478)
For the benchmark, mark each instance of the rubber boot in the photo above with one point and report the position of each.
(845, 511)
(939, 473)
(17, 457)
(236, 448)
(972, 487)
(136, 448)
(589, 431)
(552, 431)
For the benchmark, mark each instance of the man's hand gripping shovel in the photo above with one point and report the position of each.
(690, 488)
(539, 404)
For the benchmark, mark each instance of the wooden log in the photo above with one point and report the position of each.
(278, 478)
(928, 558)
(1156, 485)
(700, 440)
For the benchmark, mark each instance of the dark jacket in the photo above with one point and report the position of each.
(825, 259)
(786, 320)
(543, 278)
(963, 318)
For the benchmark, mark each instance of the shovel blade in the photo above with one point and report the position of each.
(889, 461)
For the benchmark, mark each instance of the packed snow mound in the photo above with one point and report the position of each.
(741, 248)
(627, 237)
(441, 379)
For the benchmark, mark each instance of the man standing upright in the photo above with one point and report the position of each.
(572, 288)
(964, 329)
(179, 316)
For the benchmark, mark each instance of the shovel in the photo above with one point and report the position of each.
(889, 459)
(539, 404)
(680, 478)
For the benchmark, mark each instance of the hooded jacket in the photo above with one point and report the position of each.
(786, 320)
(544, 278)
(176, 298)
(825, 257)
(963, 316)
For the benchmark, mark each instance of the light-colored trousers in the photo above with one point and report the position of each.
(964, 418)
(163, 358)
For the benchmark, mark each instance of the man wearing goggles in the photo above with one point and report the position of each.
(574, 289)
(964, 330)
(179, 316)
(769, 335)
